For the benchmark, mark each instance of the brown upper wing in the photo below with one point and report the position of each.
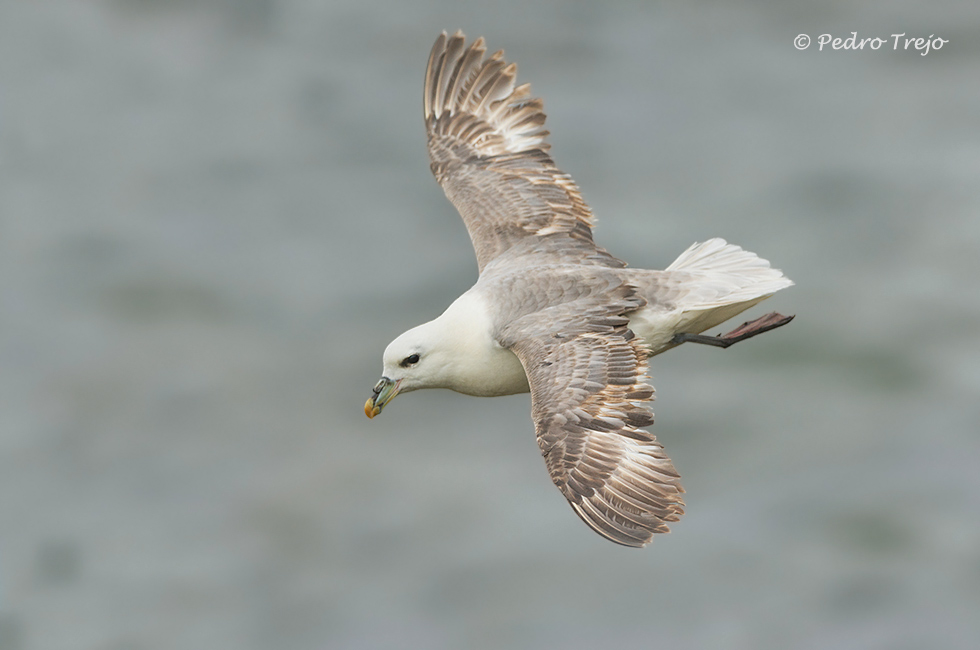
(487, 146)
(589, 403)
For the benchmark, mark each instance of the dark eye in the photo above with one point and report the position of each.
(409, 361)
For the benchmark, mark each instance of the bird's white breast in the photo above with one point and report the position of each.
(481, 366)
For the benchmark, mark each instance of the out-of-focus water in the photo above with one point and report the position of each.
(215, 215)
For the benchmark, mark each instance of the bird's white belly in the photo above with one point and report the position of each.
(656, 327)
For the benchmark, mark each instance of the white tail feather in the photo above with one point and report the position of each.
(725, 274)
(708, 284)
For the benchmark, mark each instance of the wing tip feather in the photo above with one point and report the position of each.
(460, 81)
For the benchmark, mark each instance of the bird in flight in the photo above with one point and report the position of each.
(554, 314)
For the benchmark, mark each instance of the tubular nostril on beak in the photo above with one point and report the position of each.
(382, 393)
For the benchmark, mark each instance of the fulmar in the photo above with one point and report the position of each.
(554, 314)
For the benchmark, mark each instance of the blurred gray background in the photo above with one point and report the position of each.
(215, 215)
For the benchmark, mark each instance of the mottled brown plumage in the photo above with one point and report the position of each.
(488, 151)
(589, 395)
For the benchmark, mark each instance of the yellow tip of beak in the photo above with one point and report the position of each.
(370, 409)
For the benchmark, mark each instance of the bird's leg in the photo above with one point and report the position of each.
(745, 331)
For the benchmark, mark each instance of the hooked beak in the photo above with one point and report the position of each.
(384, 391)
